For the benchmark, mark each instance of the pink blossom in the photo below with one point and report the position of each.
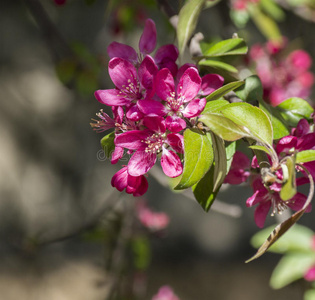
(165, 56)
(267, 198)
(135, 185)
(165, 293)
(239, 171)
(310, 274)
(131, 84)
(148, 143)
(282, 76)
(180, 100)
(152, 220)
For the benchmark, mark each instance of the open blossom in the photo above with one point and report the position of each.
(148, 143)
(165, 56)
(282, 76)
(266, 195)
(131, 84)
(165, 293)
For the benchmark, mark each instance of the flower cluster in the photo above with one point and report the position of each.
(153, 101)
(267, 185)
(283, 76)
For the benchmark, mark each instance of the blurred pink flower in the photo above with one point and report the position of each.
(154, 221)
(282, 76)
(165, 293)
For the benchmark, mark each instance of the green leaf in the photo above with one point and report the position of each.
(108, 145)
(305, 156)
(141, 251)
(298, 238)
(224, 90)
(234, 46)
(251, 117)
(290, 268)
(309, 294)
(187, 22)
(198, 157)
(215, 106)
(261, 148)
(288, 189)
(251, 91)
(203, 190)
(279, 126)
(229, 150)
(218, 65)
(223, 127)
(295, 109)
(220, 163)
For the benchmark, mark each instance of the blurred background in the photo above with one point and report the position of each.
(58, 211)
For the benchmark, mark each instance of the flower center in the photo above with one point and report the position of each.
(175, 103)
(131, 91)
(154, 143)
(278, 206)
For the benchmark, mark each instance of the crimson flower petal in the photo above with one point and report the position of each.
(122, 73)
(164, 84)
(147, 41)
(155, 123)
(176, 141)
(194, 108)
(116, 49)
(210, 83)
(132, 139)
(166, 53)
(286, 144)
(306, 142)
(141, 162)
(171, 164)
(261, 213)
(152, 107)
(175, 123)
(134, 114)
(147, 71)
(189, 84)
(117, 155)
(111, 97)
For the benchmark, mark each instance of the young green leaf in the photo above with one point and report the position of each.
(294, 109)
(108, 145)
(229, 150)
(220, 162)
(187, 22)
(280, 129)
(291, 267)
(288, 189)
(224, 90)
(305, 156)
(251, 117)
(218, 65)
(215, 106)
(272, 9)
(223, 127)
(234, 46)
(298, 238)
(251, 91)
(261, 148)
(198, 158)
(203, 190)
